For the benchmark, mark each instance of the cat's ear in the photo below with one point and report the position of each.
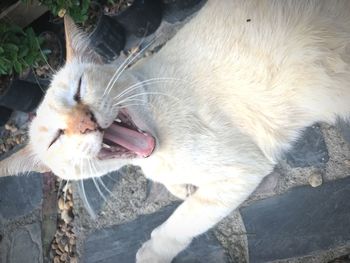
(22, 161)
(71, 31)
(77, 43)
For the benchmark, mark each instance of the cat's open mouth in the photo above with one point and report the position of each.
(123, 139)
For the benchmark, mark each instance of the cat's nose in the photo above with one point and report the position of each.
(87, 123)
(81, 120)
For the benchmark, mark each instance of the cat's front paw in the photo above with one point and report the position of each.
(161, 248)
(148, 254)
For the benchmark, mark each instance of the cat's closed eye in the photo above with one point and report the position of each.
(77, 95)
(57, 136)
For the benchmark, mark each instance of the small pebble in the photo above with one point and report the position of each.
(347, 162)
(59, 233)
(61, 247)
(12, 128)
(64, 257)
(72, 241)
(66, 216)
(68, 205)
(315, 179)
(64, 228)
(61, 203)
(66, 248)
(64, 240)
(56, 259)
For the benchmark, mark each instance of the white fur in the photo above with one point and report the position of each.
(244, 92)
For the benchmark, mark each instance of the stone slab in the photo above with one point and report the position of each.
(344, 128)
(49, 213)
(22, 245)
(95, 192)
(120, 243)
(309, 150)
(175, 11)
(302, 221)
(19, 195)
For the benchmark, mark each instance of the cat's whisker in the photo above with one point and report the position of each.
(109, 85)
(99, 190)
(43, 56)
(95, 183)
(121, 66)
(129, 105)
(148, 81)
(38, 82)
(82, 188)
(146, 93)
(127, 64)
(110, 177)
(65, 190)
(99, 179)
(130, 100)
(132, 59)
(105, 187)
(86, 201)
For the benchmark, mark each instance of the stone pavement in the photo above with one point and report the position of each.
(299, 213)
(284, 220)
(20, 219)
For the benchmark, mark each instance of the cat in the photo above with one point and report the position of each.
(215, 108)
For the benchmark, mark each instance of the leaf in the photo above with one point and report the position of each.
(23, 52)
(15, 29)
(10, 47)
(17, 66)
(29, 60)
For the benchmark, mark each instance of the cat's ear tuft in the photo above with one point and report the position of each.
(22, 161)
(77, 43)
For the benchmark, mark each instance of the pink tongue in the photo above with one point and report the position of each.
(137, 142)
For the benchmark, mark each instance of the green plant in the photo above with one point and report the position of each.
(77, 9)
(19, 49)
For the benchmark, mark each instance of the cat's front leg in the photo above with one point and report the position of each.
(201, 211)
(182, 191)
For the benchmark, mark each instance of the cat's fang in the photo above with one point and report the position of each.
(105, 145)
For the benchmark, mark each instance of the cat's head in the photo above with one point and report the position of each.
(83, 128)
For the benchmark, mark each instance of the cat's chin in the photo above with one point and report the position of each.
(124, 140)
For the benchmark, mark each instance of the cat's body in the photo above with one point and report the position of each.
(235, 88)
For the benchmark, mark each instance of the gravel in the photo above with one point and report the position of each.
(63, 247)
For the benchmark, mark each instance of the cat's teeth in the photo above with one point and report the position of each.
(106, 146)
(118, 120)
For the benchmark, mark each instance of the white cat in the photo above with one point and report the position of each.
(214, 108)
